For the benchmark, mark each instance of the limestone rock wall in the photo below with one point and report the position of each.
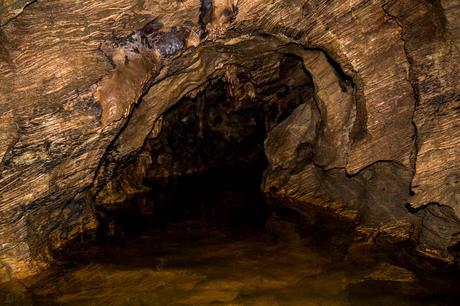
(76, 76)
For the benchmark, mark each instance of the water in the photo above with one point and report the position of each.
(210, 245)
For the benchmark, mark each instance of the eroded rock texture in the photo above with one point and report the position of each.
(84, 85)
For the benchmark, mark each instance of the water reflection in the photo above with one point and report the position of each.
(219, 249)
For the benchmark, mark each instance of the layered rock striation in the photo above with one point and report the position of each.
(84, 84)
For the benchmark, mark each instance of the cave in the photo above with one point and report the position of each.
(208, 146)
(229, 152)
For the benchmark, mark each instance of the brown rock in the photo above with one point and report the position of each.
(82, 83)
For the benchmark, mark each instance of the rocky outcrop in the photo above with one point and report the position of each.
(83, 84)
(431, 40)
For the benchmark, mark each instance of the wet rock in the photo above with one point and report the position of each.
(291, 141)
(388, 272)
(439, 225)
(78, 85)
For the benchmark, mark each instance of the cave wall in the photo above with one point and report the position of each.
(83, 83)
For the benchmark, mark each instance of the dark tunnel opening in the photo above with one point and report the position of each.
(208, 160)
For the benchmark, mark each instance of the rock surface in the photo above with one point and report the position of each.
(83, 84)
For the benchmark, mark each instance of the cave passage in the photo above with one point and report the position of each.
(226, 152)
(203, 232)
(208, 160)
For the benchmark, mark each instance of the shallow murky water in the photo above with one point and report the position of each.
(188, 264)
(218, 256)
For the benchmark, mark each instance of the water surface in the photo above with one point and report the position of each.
(221, 249)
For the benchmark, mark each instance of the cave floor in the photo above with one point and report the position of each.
(193, 264)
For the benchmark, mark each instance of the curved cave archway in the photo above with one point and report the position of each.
(343, 115)
(247, 67)
(212, 138)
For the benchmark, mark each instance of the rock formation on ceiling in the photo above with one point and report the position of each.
(84, 83)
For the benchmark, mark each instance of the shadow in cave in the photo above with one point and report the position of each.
(226, 197)
(208, 160)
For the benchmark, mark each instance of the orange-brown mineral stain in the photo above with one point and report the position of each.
(119, 91)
